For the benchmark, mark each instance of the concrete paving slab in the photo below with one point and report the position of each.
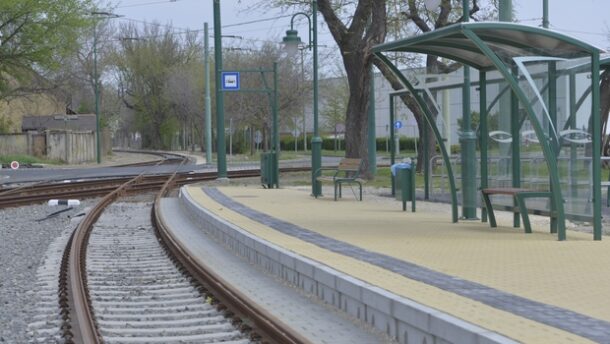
(571, 278)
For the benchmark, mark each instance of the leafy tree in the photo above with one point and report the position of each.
(335, 99)
(145, 63)
(35, 36)
(357, 26)
(253, 110)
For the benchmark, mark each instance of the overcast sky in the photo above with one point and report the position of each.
(583, 19)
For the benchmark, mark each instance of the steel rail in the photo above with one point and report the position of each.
(93, 188)
(264, 323)
(80, 324)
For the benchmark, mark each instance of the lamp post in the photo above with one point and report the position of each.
(98, 147)
(292, 41)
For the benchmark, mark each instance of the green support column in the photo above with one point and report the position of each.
(483, 135)
(392, 148)
(431, 123)
(426, 156)
(515, 145)
(221, 156)
(545, 14)
(505, 13)
(468, 141)
(596, 128)
(316, 141)
(276, 135)
(552, 99)
(208, 101)
(98, 145)
(372, 144)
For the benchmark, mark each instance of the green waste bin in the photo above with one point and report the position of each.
(269, 170)
(404, 186)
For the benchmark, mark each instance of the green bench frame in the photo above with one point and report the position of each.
(519, 196)
(348, 172)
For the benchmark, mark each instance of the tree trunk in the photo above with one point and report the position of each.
(356, 123)
(366, 29)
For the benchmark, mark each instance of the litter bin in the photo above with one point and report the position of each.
(269, 175)
(404, 184)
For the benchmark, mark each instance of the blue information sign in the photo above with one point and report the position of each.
(398, 124)
(230, 81)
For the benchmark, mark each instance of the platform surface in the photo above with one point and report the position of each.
(529, 287)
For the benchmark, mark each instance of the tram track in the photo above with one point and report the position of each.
(42, 192)
(120, 284)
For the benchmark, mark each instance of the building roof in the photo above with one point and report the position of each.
(59, 122)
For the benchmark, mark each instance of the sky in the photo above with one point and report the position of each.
(587, 20)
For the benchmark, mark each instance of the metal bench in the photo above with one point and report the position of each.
(519, 195)
(348, 172)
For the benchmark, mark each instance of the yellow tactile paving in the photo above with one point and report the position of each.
(571, 274)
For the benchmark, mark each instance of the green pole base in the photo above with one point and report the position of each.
(316, 164)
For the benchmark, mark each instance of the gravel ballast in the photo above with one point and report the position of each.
(24, 241)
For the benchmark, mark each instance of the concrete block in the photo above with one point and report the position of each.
(350, 286)
(453, 330)
(325, 275)
(304, 268)
(352, 306)
(272, 251)
(408, 335)
(307, 284)
(287, 259)
(412, 313)
(381, 321)
(328, 295)
(378, 299)
(290, 275)
(494, 338)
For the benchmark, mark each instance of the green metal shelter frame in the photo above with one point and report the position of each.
(504, 47)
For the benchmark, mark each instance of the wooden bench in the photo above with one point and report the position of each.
(519, 196)
(348, 172)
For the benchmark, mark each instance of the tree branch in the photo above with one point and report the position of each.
(335, 25)
(413, 15)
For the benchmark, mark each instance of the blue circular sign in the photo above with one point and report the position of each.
(398, 124)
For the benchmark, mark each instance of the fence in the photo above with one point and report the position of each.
(71, 147)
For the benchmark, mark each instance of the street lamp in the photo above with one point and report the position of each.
(292, 41)
(98, 15)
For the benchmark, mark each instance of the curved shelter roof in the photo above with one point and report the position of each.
(506, 40)
(495, 45)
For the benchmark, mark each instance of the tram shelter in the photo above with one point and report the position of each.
(544, 126)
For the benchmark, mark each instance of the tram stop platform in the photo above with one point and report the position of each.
(418, 277)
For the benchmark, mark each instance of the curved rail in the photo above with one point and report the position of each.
(263, 322)
(79, 321)
(92, 188)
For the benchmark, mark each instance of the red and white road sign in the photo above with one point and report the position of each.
(14, 165)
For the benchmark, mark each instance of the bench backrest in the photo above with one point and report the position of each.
(350, 166)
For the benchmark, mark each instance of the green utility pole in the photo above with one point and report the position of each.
(98, 147)
(371, 124)
(468, 140)
(221, 156)
(316, 141)
(545, 14)
(98, 15)
(208, 105)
